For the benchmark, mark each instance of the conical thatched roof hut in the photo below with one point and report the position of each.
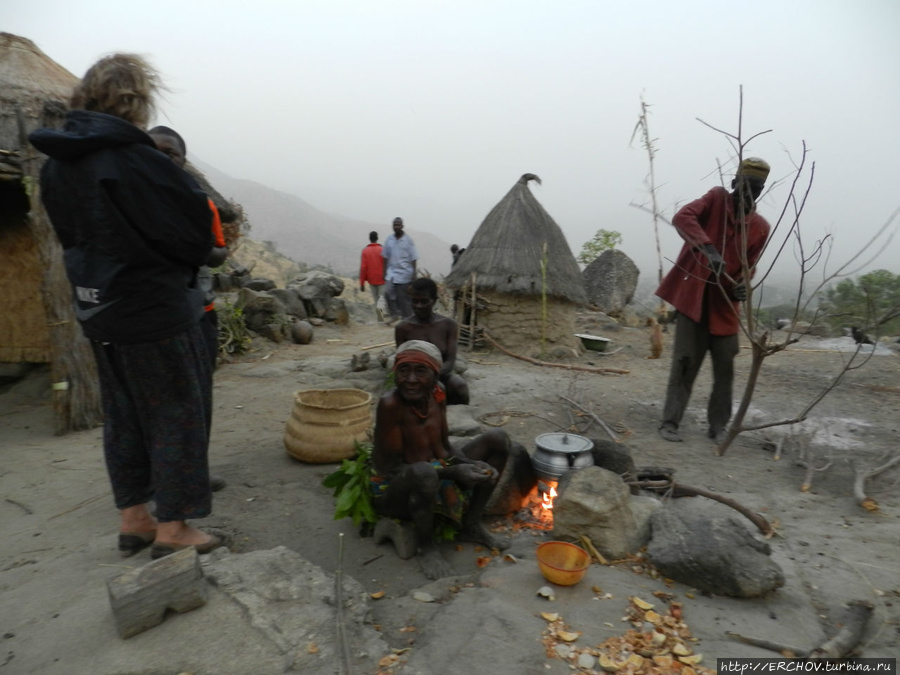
(37, 322)
(518, 256)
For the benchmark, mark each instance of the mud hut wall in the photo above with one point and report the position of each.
(515, 320)
(24, 335)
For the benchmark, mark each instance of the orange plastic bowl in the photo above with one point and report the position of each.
(562, 563)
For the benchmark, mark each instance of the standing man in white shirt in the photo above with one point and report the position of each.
(400, 256)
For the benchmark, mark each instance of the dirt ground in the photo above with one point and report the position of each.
(58, 524)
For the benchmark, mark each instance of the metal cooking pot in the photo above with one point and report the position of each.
(557, 453)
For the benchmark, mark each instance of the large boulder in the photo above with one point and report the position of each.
(259, 309)
(610, 281)
(597, 503)
(717, 555)
(293, 303)
(317, 285)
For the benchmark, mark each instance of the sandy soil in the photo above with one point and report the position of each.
(58, 526)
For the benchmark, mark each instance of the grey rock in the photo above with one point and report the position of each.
(716, 555)
(610, 281)
(460, 421)
(401, 533)
(612, 456)
(514, 484)
(259, 308)
(336, 310)
(292, 602)
(317, 285)
(259, 284)
(276, 331)
(360, 362)
(293, 303)
(642, 508)
(596, 502)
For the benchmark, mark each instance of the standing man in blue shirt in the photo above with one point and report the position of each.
(400, 256)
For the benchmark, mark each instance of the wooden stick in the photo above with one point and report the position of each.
(612, 434)
(380, 344)
(853, 624)
(472, 313)
(680, 490)
(589, 545)
(786, 651)
(565, 366)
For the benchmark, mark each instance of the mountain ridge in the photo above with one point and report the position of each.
(309, 235)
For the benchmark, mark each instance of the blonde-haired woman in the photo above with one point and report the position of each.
(134, 229)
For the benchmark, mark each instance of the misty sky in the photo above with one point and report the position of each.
(432, 110)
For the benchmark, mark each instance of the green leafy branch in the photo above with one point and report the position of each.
(351, 487)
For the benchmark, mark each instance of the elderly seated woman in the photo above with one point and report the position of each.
(417, 473)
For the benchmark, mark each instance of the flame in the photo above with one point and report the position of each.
(548, 498)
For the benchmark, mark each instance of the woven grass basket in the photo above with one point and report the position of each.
(325, 423)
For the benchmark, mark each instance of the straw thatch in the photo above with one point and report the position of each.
(38, 323)
(517, 259)
(507, 251)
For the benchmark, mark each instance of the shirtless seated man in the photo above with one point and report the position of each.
(440, 331)
(417, 472)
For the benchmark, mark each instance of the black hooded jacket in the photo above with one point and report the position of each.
(134, 228)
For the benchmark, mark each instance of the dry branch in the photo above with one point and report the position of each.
(680, 490)
(860, 477)
(565, 366)
(853, 624)
(612, 434)
(380, 344)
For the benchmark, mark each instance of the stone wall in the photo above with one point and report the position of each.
(515, 322)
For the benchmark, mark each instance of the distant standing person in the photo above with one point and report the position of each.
(134, 230)
(720, 230)
(400, 258)
(440, 331)
(371, 269)
(456, 251)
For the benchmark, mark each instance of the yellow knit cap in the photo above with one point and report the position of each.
(754, 167)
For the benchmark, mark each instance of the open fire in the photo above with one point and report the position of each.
(537, 510)
(548, 497)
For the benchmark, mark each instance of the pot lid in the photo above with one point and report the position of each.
(563, 442)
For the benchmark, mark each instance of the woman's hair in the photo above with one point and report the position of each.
(123, 85)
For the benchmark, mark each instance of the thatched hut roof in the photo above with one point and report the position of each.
(508, 249)
(34, 91)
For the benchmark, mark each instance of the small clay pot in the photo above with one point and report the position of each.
(301, 332)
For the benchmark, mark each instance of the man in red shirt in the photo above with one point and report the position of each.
(371, 269)
(722, 234)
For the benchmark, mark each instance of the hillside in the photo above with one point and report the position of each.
(304, 233)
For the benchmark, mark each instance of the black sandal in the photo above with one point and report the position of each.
(134, 542)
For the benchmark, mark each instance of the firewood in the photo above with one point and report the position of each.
(602, 371)
(853, 624)
(681, 490)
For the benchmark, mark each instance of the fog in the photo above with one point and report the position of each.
(432, 110)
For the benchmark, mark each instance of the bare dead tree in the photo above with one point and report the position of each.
(786, 234)
(643, 128)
